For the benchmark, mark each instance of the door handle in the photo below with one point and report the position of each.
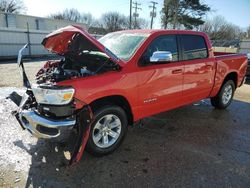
(177, 71)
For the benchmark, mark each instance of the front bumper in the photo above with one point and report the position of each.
(43, 127)
(38, 123)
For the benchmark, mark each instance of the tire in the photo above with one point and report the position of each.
(225, 96)
(101, 130)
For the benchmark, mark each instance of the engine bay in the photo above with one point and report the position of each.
(74, 65)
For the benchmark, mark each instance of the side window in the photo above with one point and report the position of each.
(162, 43)
(194, 47)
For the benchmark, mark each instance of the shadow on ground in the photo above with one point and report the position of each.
(193, 146)
(247, 81)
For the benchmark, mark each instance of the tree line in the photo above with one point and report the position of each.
(175, 14)
(110, 21)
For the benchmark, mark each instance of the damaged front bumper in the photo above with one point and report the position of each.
(42, 127)
(48, 120)
(34, 118)
(38, 123)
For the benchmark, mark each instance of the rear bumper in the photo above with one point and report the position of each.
(43, 127)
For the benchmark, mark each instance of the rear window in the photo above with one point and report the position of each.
(194, 47)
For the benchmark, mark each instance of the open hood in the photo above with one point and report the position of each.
(75, 39)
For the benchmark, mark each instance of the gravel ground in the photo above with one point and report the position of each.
(193, 146)
(11, 75)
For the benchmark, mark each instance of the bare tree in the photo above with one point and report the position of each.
(248, 32)
(12, 6)
(67, 14)
(140, 23)
(89, 20)
(114, 21)
(218, 28)
(110, 21)
(76, 16)
(72, 15)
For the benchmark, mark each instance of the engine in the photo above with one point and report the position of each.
(56, 71)
(75, 65)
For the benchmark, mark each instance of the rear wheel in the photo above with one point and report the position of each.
(107, 131)
(225, 96)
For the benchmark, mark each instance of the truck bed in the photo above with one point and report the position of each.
(229, 63)
(237, 59)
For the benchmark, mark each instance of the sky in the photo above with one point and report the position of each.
(236, 12)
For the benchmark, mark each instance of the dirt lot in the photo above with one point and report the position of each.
(11, 76)
(193, 146)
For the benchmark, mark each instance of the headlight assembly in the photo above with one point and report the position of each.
(53, 95)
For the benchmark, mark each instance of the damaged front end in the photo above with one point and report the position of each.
(54, 122)
(45, 120)
(49, 110)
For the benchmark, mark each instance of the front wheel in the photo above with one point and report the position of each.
(225, 96)
(107, 131)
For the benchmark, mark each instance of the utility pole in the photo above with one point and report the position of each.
(153, 12)
(135, 14)
(176, 14)
(130, 15)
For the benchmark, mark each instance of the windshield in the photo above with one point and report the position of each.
(123, 45)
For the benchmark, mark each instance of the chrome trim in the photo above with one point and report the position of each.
(106, 131)
(227, 94)
(34, 119)
(161, 56)
(150, 100)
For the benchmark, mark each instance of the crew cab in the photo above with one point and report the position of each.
(99, 87)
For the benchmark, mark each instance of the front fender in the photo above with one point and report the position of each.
(83, 123)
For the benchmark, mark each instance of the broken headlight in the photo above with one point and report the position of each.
(54, 95)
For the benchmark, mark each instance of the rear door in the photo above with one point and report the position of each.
(160, 84)
(199, 69)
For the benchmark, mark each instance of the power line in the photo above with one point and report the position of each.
(153, 13)
(135, 14)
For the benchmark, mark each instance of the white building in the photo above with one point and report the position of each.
(16, 30)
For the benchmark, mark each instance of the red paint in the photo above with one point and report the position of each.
(58, 41)
(166, 86)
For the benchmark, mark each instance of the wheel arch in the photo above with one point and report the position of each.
(231, 76)
(118, 100)
(220, 80)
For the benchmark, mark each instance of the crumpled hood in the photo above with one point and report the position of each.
(62, 41)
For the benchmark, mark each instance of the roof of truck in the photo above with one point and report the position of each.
(153, 31)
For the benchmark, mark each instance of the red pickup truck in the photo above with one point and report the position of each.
(99, 87)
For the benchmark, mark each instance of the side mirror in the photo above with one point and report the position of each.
(161, 56)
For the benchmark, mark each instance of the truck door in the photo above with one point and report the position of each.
(199, 69)
(160, 83)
